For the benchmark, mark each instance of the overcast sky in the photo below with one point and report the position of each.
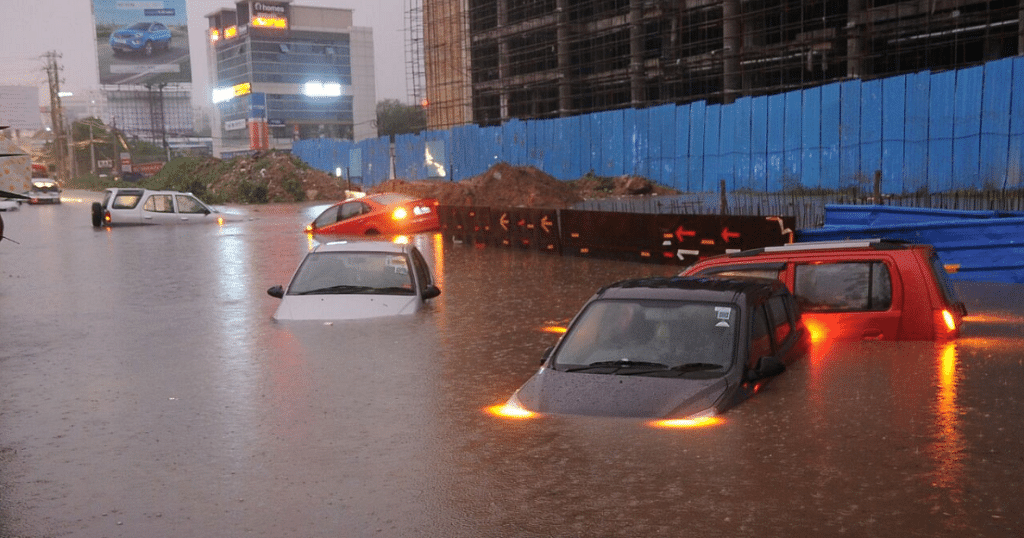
(30, 28)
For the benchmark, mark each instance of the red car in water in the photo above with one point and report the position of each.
(378, 214)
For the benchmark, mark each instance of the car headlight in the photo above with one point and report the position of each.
(707, 417)
(513, 408)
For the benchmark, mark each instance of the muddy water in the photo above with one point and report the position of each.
(145, 391)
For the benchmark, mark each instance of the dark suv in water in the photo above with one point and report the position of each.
(667, 348)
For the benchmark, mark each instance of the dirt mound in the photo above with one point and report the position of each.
(504, 185)
(275, 176)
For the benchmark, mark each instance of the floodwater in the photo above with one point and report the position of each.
(145, 391)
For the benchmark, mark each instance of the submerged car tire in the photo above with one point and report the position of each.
(97, 214)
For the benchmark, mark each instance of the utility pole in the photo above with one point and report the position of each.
(60, 142)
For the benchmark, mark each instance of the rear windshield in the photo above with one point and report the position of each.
(392, 198)
(126, 200)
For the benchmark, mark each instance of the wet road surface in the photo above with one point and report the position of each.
(145, 391)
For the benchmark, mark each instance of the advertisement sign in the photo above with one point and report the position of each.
(142, 42)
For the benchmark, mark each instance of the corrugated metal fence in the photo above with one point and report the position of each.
(925, 132)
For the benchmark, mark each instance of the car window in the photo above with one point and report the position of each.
(422, 269)
(159, 203)
(126, 201)
(853, 286)
(328, 217)
(670, 333)
(947, 290)
(353, 272)
(188, 204)
(780, 319)
(352, 209)
(761, 338)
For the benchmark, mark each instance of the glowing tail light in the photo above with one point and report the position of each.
(106, 217)
(399, 213)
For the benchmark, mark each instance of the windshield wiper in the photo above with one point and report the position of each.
(621, 364)
(337, 289)
(394, 290)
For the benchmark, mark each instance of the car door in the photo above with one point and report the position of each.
(191, 211)
(352, 218)
(849, 299)
(159, 209)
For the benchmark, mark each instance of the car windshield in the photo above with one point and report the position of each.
(353, 272)
(140, 26)
(650, 337)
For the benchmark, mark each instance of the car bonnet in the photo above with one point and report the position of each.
(345, 306)
(576, 393)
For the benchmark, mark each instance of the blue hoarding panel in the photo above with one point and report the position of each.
(915, 149)
(663, 133)
(942, 92)
(727, 146)
(967, 127)
(1015, 156)
(741, 111)
(632, 139)
(849, 133)
(870, 128)
(680, 180)
(810, 139)
(695, 177)
(793, 140)
(995, 123)
(894, 98)
(712, 148)
(830, 136)
(776, 140)
(759, 143)
(611, 147)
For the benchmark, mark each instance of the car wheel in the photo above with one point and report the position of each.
(148, 49)
(97, 214)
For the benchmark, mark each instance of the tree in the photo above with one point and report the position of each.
(395, 118)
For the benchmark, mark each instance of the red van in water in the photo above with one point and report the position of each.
(868, 289)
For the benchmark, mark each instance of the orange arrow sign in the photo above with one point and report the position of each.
(546, 223)
(504, 221)
(682, 232)
(727, 235)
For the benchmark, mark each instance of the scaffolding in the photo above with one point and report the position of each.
(152, 112)
(488, 61)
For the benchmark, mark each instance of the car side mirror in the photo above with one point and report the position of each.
(547, 355)
(431, 292)
(276, 291)
(767, 366)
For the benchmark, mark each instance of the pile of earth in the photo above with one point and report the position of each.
(275, 176)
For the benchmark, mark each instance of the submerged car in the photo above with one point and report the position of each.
(144, 37)
(144, 206)
(870, 289)
(378, 214)
(668, 348)
(43, 192)
(342, 280)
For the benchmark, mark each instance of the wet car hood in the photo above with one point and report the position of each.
(576, 393)
(345, 306)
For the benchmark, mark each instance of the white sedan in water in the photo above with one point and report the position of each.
(355, 280)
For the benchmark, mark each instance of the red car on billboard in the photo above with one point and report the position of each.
(378, 214)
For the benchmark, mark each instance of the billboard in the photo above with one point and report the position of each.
(142, 42)
(19, 107)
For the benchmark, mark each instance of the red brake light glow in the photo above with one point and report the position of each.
(399, 213)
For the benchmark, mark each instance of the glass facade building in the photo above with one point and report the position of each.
(284, 73)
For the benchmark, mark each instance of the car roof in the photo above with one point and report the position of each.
(830, 246)
(140, 191)
(696, 288)
(363, 246)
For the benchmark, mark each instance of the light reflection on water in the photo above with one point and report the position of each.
(162, 352)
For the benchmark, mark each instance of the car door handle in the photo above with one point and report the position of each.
(872, 334)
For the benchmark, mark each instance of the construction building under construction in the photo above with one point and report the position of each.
(487, 61)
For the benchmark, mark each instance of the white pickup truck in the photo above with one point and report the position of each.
(142, 206)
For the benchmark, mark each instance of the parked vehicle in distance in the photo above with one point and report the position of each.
(144, 37)
(668, 348)
(354, 280)
(378, 214)
(856, 290)
(43, 191)
(135, 206)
